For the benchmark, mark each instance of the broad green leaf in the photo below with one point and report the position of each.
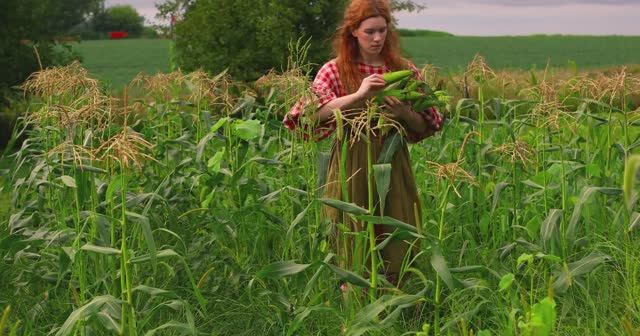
(100, 249)
(549, 257)
(218, 124)
(160, 255)
(594, 170)
(439, 264)
(201, 146)
(215, 161)
(115, 186)
(281, 269)
(584, 197)
(148, 235)
(549, 226)
(371, 312)
(524, 258)
(247, 129)
(68, 181)
(296, 221)
(83, 312)
(391, 144)
(382, 176)
(588, 263)
(344, 206)
(311, 283)
(397, 234)
(543, 317)
(506, 281)
(348, 276)
(583, 266)
(152, 290)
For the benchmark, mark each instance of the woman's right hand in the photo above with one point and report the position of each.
(370, 86)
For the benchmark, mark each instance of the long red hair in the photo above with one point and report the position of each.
(345, 45)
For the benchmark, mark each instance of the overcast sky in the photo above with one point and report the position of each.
(505, 17)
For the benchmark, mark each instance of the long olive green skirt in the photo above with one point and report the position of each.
(402, 202)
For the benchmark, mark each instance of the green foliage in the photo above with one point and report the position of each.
(223, 217)
(251, 37)
(542, 319)
(29, 23)
(120, 18)
(149, 33)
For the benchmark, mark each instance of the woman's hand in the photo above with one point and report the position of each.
(370, 86)
(399, 110)
(428, 122)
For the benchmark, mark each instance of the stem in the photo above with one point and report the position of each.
(125, 277)
(443, 208)
(372, 233)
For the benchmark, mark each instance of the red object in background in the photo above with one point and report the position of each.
(118, 34)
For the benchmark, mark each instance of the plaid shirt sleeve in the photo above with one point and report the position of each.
(326, 86)
(430, 113)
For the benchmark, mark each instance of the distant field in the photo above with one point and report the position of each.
(523, 52)
(117, 62)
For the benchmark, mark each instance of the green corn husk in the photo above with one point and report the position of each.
(402, 95)
(396, 76)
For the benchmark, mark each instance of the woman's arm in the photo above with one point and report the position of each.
(369, 87)
(419, 123)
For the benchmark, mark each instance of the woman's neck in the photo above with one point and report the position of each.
(371, 59)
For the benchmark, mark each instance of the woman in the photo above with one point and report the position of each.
(366, 47)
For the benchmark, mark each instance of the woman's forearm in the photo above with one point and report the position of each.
(415, 122)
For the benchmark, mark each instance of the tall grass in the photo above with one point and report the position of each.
(184, 207)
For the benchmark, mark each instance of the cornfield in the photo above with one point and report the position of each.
(183, 207)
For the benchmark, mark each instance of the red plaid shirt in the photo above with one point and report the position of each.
(327, 87)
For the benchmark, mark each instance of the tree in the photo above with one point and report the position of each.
(121, 18)
(251, 37)
(28, 23)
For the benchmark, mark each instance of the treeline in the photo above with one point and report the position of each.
(35, 33)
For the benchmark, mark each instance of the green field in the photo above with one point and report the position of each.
(117, 62)
(195, 212)
(523, 52)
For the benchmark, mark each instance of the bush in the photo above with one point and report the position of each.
(250, 37)
(40, 21)
(120, 18)
(150, 33)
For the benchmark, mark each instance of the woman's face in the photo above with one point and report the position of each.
(371, 35)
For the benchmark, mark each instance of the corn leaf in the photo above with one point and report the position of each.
(281, 269)
(344, 206)
(83, 312)
(100, 249)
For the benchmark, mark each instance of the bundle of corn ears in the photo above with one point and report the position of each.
(407, 88)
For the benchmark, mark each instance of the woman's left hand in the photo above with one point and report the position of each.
(399, 110)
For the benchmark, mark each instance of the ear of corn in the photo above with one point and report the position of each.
(396, 76)
(404, 86)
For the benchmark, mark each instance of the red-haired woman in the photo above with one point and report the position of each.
(366, 46)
